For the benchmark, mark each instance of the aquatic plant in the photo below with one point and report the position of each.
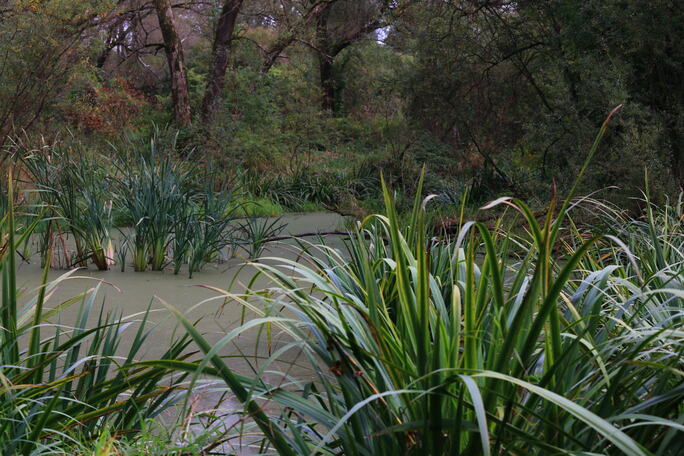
(172, 219)
(154, 188)
(295, 190)
(73, 186)
(490, 343)
(70, 379)
(121, 252)
(184, 230)
(457, 355)
(256, 232)
(213, 226)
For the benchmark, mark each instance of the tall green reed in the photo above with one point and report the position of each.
(59, 382)
(256, 233)
(174, 211)
(153, 187)
(204, 228)
(490, 343)
(213, 227)
(75, 188)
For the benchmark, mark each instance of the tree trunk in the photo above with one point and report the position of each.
(674, 128)
(221, 48)
(174, 56)
(325, 63)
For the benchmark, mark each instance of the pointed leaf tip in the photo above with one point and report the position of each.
(496, 202)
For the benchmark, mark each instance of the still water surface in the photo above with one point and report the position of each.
(131, 292)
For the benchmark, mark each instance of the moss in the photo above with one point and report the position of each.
(256, 207)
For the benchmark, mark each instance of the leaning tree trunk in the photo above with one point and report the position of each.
(221, 49)
(174, 56)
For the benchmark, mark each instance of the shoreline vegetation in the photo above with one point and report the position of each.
(341, 228)
(553, 339)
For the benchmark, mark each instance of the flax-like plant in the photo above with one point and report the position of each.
(256, 233)
(74, 187)
(154, 190)
(184, 231)
(212, 228)
(58, 380)
(490, 343)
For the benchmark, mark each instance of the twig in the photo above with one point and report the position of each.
(301, 235)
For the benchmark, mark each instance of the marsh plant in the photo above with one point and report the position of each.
(256, 232)
(121, 251)
(153, 188)
(298, 189)
(74, 187)
(204, 229)
(213, 228)
(169, 210)
(183, 234)
(173, 220)
(67, 381)
(550, 340)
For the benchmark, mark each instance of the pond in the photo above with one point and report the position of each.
(130, 293)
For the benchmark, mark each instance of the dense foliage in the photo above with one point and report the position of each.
(143, 204)
(64, 381)
(555, 342)
(528, 327)
(491, 96)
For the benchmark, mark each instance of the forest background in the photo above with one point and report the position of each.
(304, 102)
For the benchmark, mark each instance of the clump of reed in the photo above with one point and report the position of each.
(153, 188)
(256, 232)
(173, 220)
(62, 381)
(168, 217)
(301, 188)
(489, 343)
(74, 187)
(207, 229)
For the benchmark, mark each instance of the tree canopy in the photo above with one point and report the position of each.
(492, 95)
